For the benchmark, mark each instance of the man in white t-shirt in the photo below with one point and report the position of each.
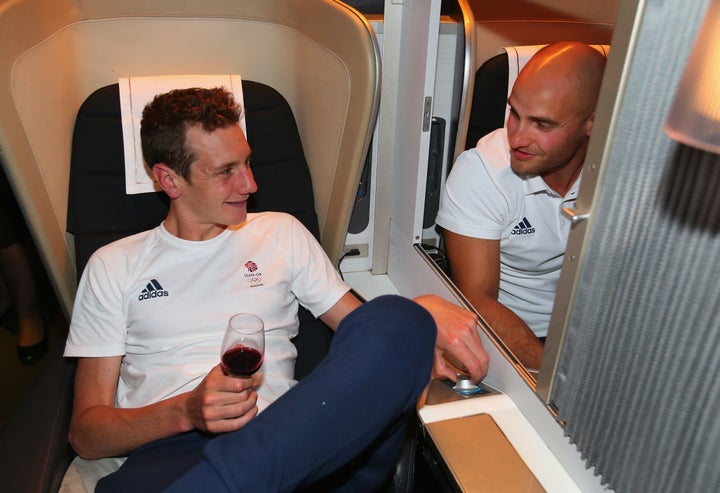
(151, 310)
(501, 206)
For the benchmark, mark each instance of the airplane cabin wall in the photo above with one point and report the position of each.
(636, 384)
(445, 102)
(522, 22)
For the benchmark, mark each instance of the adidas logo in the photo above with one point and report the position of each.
(152, 290)
(523, 228)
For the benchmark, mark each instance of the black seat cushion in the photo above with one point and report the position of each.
(489, 99)
(99, 210)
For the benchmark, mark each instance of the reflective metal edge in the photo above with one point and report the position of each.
(527, 374)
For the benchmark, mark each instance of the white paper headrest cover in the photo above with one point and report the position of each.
(135, 93)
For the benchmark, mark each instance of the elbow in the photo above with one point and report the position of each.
(77, 445)
(81, 445)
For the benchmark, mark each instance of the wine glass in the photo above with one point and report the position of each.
(243, 347)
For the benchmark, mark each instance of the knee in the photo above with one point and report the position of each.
(403, 320)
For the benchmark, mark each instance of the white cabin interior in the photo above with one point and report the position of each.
(625, 399)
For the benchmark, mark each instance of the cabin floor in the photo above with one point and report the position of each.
(16, 378)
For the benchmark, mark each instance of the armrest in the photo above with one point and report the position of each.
(34, 447)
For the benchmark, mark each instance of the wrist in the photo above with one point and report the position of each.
(184, 414)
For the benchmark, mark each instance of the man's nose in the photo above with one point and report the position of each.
(245, 182)
(517, 133)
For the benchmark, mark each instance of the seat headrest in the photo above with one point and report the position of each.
(135, 93)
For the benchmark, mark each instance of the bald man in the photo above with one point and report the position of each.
(501, 206)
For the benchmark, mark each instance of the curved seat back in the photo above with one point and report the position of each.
(321, 56)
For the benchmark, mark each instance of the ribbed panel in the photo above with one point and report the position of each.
(638, 383)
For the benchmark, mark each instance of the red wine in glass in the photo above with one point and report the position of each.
(241, 361)
(243, 347)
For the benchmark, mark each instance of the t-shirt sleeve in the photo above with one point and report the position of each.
(98, 324)
(316, 283)
(472, 202)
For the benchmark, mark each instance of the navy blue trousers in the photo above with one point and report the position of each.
(340, 429)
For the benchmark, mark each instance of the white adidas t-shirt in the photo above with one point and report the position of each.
(484, 198)
(163, 303)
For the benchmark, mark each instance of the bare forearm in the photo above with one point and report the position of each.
(512, 330)
(104, 431)
(457, 339)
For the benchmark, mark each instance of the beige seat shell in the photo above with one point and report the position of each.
(321, 55)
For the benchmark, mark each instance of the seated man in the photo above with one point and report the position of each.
(501, 206)
(148, 380)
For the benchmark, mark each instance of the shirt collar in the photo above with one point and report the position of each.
(535, 184)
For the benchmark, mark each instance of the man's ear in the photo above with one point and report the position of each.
(167, 179)
(589, 124)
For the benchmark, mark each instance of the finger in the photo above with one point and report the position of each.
(219, 382)
(472, 361)
(232, 423)
(457, 365)
(469, 354)
(230, 406)
(240, 384)
(245, 397)
(478, 366)
(442, 369)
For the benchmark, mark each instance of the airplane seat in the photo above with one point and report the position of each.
(324, 63)
(100, 211)
(487, 109)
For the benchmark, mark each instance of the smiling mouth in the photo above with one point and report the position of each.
(521, 155)
(237, 203)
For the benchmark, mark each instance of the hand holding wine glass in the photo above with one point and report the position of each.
(243, 347)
